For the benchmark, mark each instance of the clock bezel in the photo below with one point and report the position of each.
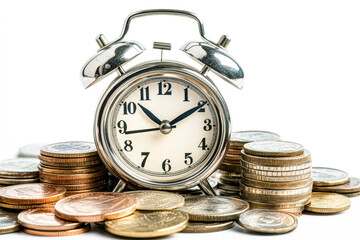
(121, 84)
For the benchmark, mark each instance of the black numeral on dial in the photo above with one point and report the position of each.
(144, 94)
(164, 87)
(203, 108)
(145, 155)
(129, 108)
(202, 144)
(166, 165)
(128, 146)
(186, 95)
(122, 126)
(208, 125)
(188, 159)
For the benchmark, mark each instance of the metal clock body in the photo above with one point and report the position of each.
(162, 124)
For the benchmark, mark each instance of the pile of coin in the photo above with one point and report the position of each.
(31, 195)
(276, 175)
(8, 222)
(230, 169)
(76, 166)
(19, 171)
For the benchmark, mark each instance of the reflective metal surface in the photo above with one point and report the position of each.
(218, 60)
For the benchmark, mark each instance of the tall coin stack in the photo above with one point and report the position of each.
(230, 169)
(276, 175)
(75, 166)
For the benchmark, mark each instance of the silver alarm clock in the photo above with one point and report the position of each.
(162, 124)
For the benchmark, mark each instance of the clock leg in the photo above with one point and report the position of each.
(119, 186)
(206, 188)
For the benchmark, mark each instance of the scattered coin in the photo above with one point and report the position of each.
(148, 224)
(274, 148)
(69, 149)
(70, 232)
(157, 200)
(329, 176)
(205, 227)
(19, 168)
(32, 193)
(44, 219)
(242, 137)
(30, 151)
(352, 186)
(8, 222)
(13, 181)
(27, 206)
(277, 161)
(355, 194)
(267, 221)
(213, 209)
(85, 186)
(322, 202)
(95, 206)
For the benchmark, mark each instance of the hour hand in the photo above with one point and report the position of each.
(150, 114)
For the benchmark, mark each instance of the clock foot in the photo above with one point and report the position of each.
(206, 188)
(119, 186)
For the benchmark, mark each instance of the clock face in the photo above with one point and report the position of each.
(163, 128)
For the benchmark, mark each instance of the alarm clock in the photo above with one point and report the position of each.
(162, 124)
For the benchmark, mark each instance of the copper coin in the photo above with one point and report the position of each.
(75, 187)
(72, 164)
(72, 176)
(45, 219)
(69, 149)
(71, 182)
(95, 206)
(70, 167)
(70, 193)
(234, 151)
(71, 232)
(27, 206)
(231, 167)
(32, 193)
(71, 170)
(68, 160)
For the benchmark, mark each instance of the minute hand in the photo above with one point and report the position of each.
(187, 113)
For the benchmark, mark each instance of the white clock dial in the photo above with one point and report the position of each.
(164, 128)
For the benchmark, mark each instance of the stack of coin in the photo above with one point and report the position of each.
(335, 181)
(230, 169)
(75, 166)
(19, 171)
(276, 175)
(31, 195)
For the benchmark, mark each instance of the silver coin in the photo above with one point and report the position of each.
(267, 221)
(350, 187)
(19, 168)
(275, 168)
(213, 208)
(274, 148)
(69, 149)
(277, 173)
(251, 136)
(32, 151)
(8, 222)
(329, 176)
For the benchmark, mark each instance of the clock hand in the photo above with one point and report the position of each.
(186, 114)
(150, 114)
(144, 130)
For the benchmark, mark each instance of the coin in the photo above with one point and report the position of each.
(274, 148)
(27, 206)
(276, 178)
(72, 182)
(56, 176)
(68, 160)
(12, 181)
(322, 202)
(240, 138)
(352, 186)
(157, 200)
(274, 198)
(44, 219)
(222, 192)
(70, 232)
(301, 203)
(19, 168)
(95, 206)
(230, 180)
(234, 151)
(279, 193)
(72, 164)
(32, 193)
(30, 151)
(71, 170)
(230, 167)
(277, 185)
(229, 187)
(75, 187)
(229, 174)
(354, 194)
(205, 227)
(98, 189)
(8, 222)
(267, 221)
(148, 224)
(329, 176)
(69, 149)
(213, 208)
(277, 173)
(236, 158)
(288, 168)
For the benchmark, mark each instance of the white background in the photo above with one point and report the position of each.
(301, 61)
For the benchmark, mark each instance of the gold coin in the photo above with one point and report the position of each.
(70, 232)
(12, 181)
(288, 168)
(19, 168)
(276, 185)
(8, 222)
(355, 194)
(277, 178)
(95, 206)
(275, 192)
(322, 202)
(277, 161)
(230, 167)
(274, 148)
(32, 193)
(71, 182)
(72, 164)
(267, 221)
(69, 149)
(148, 224)
(71, 170)
(68, 160)
(352, 186)
(44, 219)
(213, 208)
(55, 176)
(301, 203)
(157, 200)
(273, 198)
(75, 187)
(205, 227)
(277, 173)
(27, 206)
(239, 139)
